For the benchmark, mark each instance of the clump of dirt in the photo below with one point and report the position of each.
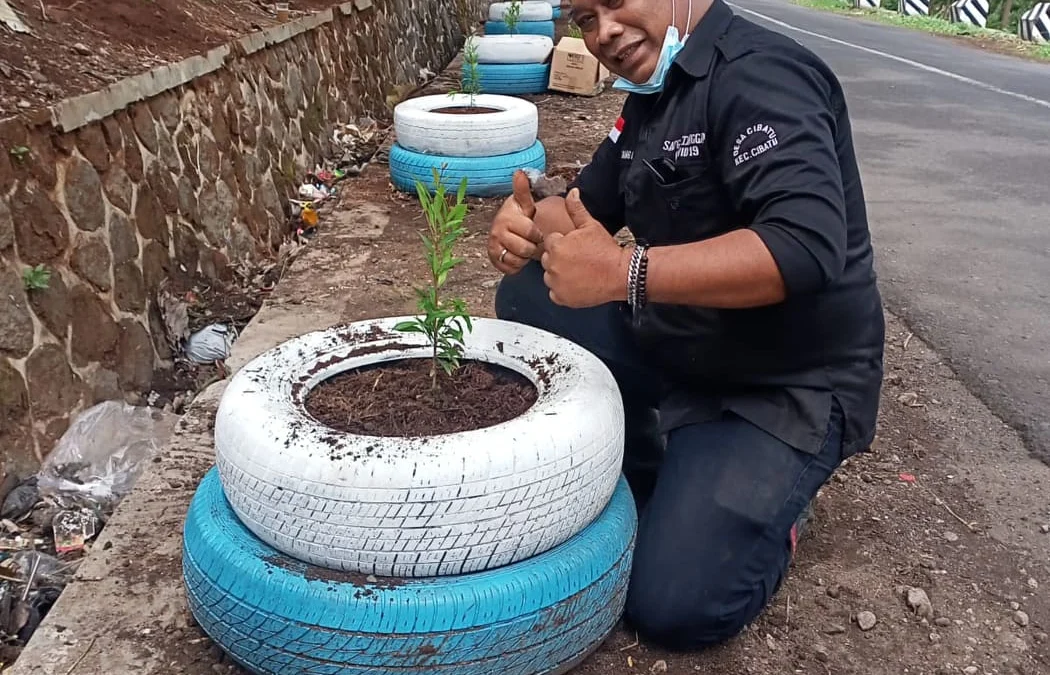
(397, 399)
(315, 573)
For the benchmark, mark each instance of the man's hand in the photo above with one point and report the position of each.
(585, 267)
(514, 238)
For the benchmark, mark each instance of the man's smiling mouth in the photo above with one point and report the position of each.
(624, 54)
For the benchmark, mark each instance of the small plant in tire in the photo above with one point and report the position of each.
(512, 16)
(443, 318)
(472, 78)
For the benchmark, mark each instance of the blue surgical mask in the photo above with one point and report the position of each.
(668, 51)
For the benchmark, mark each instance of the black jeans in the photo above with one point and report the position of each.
(717, 501)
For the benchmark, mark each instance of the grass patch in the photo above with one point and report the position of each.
(994, 40)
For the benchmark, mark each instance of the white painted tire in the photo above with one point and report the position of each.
(513, 129)
(428, 506)
(512, 48)
(531, 10)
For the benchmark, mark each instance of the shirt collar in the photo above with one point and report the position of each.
(696, 55)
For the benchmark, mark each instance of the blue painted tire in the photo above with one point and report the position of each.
(523, 28)
(556, 13)
(277, 616)
(510, 78)
(486, 176)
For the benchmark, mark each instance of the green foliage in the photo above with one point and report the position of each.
(443, 319)
(512, 16)
(36, 278)
(574, 30)
(471, 80)
(19, 152)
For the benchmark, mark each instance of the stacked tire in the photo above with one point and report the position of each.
(511, 64)
(505, 549)
(536, 18)
(485, 148)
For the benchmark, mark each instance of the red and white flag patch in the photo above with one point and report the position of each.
(614, 133)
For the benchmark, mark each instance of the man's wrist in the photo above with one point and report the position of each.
(618, 284)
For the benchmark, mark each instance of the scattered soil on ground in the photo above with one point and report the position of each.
(397, 399)
(78, 46)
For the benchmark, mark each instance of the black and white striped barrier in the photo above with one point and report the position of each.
(866, 4)
(914, 7)
(1034, 25)
(973, 12)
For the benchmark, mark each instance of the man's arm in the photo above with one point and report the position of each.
(775, 128)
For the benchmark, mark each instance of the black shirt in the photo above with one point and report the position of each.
(757, 129)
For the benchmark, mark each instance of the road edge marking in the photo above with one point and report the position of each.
(900, 59)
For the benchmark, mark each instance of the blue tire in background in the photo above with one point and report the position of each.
(510, 78)
(277, 616)
(556, 12)
(486, 176)
(523, 28)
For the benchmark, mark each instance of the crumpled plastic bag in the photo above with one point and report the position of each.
(104, 450)
(210, 344)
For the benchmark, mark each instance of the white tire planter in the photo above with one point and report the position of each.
(512, 48)
(424, 506)
(420, 129)
(531, 10)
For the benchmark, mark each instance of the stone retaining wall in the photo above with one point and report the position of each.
(183, 171)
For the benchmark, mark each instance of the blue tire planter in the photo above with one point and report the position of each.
(511, 78)
(523, 28)
(277, 616)
(556, 12)
(486, 176)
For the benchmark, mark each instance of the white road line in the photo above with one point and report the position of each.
(899, 59)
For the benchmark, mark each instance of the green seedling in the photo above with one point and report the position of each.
(36, 278)
(574, 30)
(19, 152)
(512, 16)
(443, 319)
(471, 80)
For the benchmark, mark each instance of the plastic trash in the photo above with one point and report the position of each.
(210, 344)
(314, 193)
(73, 528)
(103, 452)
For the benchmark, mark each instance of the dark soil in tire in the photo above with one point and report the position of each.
(396, 399)
(466, 110)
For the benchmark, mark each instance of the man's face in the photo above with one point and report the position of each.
(625, 35)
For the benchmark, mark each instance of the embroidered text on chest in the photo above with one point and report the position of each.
(687, 145)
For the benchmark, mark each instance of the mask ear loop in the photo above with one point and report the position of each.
(688, 21)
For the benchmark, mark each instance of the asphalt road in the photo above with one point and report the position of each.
(954, 144)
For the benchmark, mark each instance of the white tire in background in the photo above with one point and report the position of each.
(418, 128)
(423, 506)
(531, 10)
(512, 48)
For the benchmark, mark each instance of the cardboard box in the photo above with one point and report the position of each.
(575, 70)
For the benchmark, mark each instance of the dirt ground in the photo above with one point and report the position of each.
(77, 46)
(946, 503)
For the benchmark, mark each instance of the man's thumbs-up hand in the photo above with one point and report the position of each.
(578, 212)
(514, 238)
(585, 267)
(523, 194)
